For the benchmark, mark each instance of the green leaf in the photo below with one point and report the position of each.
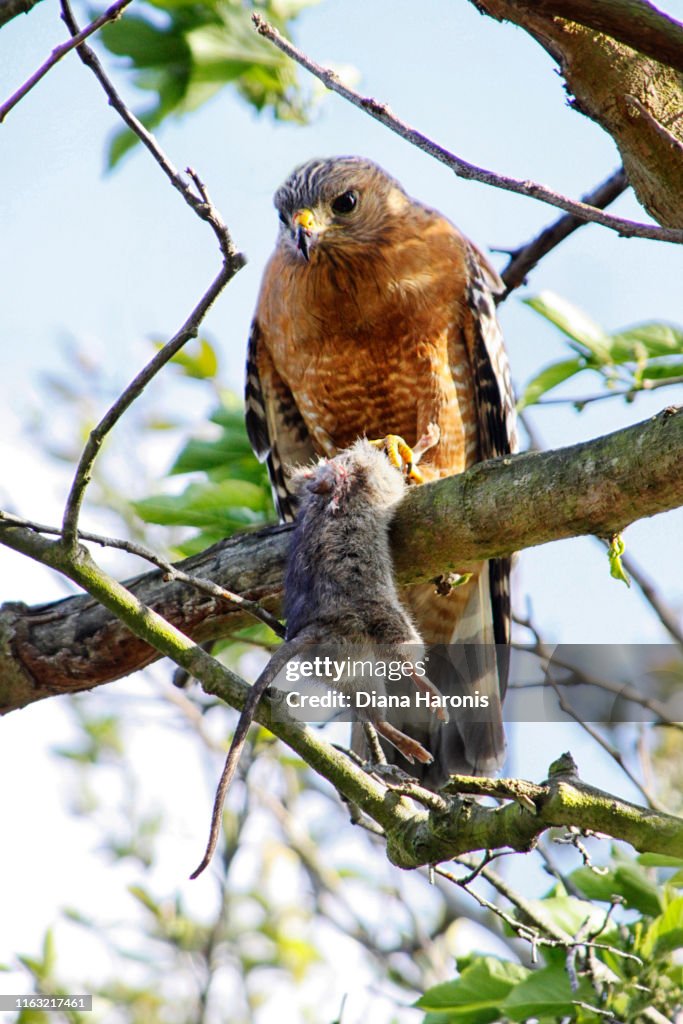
(475, 997)
(549, 378)
(665, 934)
(49, 952)
(201, 365)
(227, 50)
(146, 899)
(544, 993)
(654, 339)
(568, 913)
(659, 860)
(614, 552)
(201, 47)
(575, 324)
(143, 43)
(223, 506)
(626, 881)
(230, 450)
(661, 371)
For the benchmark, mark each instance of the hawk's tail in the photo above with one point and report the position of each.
(470, 671)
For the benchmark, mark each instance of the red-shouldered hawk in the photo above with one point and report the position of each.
(377, 316)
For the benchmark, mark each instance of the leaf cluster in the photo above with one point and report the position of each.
(183, 53)
(625, 361)
(620, 966)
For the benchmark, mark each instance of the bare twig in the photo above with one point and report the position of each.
(97, 435)
(232, 262)
(170, 571)
(662, 610)
(544, 653)
(200, 204)
(537, 929)
(381, 112)
(605, 744)
(111, 14)
(579, 677)
(627, 393)
(526, 257)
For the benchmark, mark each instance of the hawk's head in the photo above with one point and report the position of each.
(337, 203)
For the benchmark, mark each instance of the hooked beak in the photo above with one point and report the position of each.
(305, 226)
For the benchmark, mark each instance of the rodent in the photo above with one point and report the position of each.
(339, 586)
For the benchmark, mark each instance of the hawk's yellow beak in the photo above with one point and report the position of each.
(305, 225)
(304, 219)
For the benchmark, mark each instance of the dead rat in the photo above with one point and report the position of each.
(340, 589)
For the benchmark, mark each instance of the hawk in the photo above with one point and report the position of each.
(377, 316)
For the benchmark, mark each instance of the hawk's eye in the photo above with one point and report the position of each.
(346, 202)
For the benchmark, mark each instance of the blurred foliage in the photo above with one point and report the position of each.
(631, 974)
(184, 51)
(235, 493)
(625, 362)
(174, 963)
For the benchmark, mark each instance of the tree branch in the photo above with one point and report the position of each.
(9, 9)
(111, 14)
(381, 112)
(526, 257)
(233, 261)
(634, 22)
(494, 508)
(634, 98)
(415, 837)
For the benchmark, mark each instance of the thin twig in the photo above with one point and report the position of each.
(543, 652)
(579, 677)
(542, 931)
(628, 393)
(525, 258)
(605, 744)
(381, 112)
(170, 571)
(111, 14)
(232, 262)
(662, 610)
(200, 204)
(97, 435)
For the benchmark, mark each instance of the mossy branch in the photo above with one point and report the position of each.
(495, 508)
(414, 836)
(621, 61)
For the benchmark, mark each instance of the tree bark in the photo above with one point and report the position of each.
(495, 508)
(636, 98)
(634, 22)
(11, 8)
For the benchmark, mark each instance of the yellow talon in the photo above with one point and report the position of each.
(400, 455)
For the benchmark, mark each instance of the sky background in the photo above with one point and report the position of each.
(112, 260)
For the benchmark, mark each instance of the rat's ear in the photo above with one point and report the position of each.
(299, 477)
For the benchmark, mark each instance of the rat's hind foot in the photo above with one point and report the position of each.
(410, 748)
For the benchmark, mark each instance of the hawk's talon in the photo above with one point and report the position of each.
(401, 456)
